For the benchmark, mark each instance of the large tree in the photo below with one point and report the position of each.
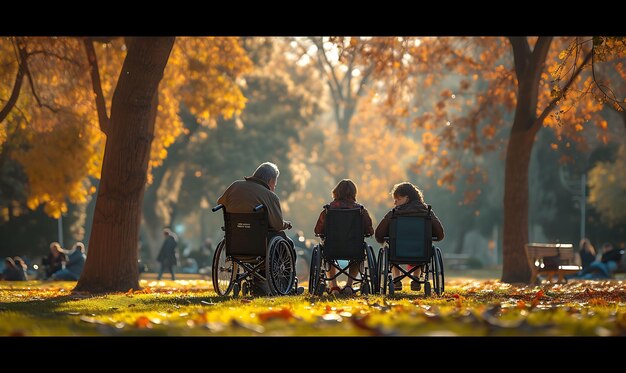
(490, 82)
(112, 261)
(59, 120)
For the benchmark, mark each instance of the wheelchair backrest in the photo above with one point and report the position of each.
(246, 233)
(410, 239)
(344, 234)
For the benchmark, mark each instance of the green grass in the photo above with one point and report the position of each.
(183, 308)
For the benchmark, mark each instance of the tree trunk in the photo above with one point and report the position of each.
(345, 147)
(514, 264)
(112, 259)
(528, 68)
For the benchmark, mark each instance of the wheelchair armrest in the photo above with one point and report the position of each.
(434, 239)
(257, 208)
(218, 207)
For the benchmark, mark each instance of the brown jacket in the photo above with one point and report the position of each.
(244, 195)
(339, 204)
(410, 208)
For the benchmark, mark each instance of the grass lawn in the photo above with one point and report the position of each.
(469, 307)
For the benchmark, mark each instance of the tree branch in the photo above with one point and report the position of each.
(521, 52)
(52, 54)
(17, 86)
(96, 84)
(538, 56)
(606, 95)
(365, 79)
(554, 101)
(34, 91)
(322, 53)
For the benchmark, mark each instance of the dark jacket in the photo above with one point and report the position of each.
(341, 204)
(53, 263)
(13, 273)
(167, 255)
(586, 258)
(244, 195)
(613, 255)
(76, 262)
(411, 208)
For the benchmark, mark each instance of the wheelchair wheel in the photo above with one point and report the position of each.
(383, 269)
(223, 272)
(438, 275)
(373, 271)
(315, 271)
(280, 267)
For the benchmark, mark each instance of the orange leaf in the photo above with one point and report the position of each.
(536, 298)
(143, 322)
(283, 313)
(521, 304)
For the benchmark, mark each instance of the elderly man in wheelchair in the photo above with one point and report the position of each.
(255, 256)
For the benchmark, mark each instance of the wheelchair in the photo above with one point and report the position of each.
(410, 242)
(245, 251)
(343, 239)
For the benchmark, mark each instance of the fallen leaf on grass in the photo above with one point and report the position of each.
(283, 313)
(597, 302)
(248, 326)
(143, 322)
(536, 299)
(332, 317)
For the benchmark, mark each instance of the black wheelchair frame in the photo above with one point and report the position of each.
(343, 239)
(410, 242)
(245, 251)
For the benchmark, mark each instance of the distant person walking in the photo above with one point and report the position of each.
(167, 255)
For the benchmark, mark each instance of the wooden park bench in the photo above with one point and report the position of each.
(561, 254)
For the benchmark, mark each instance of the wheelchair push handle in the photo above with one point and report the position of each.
(218, 207)
(258, 207)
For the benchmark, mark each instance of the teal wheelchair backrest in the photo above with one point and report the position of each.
(410, 239)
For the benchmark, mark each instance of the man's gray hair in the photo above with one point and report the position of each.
(266, 172)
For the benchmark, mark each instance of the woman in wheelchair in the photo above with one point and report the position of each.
(344, 197)
(408, 200)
